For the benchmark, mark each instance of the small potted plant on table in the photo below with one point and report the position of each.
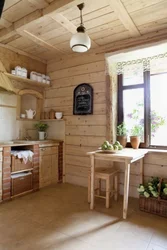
(122, 134)
(135, 138)
(42, 127)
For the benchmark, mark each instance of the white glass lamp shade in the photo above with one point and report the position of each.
(80, 42)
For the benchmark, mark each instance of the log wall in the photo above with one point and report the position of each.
(86, 133)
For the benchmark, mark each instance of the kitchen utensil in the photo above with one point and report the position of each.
(58, 115)
(30, 113)
(51, 114)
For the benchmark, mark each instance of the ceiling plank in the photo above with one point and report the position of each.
(124, 17)
(5, 23)
(69, 26)
(63, 21)
(38, 41)
(57, 6)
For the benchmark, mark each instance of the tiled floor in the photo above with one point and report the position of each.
(58, 218)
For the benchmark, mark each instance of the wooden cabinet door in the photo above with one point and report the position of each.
(54, 168)
(45, 170)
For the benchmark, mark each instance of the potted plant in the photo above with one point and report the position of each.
(122, 134)
(135, 138)
(41, 127)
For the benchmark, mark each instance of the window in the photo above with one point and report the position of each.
(142, 105)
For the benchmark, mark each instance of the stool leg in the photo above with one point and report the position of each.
(116, 185)
(108, 192)
(99, 186)
(89, 183)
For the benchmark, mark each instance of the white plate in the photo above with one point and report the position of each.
(110, 151)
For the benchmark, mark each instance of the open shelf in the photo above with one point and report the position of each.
(27, 81)
(51, 120)
(26, 119)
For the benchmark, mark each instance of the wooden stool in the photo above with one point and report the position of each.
(105, 174)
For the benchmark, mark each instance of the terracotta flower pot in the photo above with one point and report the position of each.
(122, 139)
(135, 141)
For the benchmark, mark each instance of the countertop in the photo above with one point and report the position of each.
(17, 143)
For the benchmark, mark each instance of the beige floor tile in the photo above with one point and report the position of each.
(155, 247)
(58, 218)
(160, 237)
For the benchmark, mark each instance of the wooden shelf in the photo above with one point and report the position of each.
(51, 120)
(27, 81)
(21, 171)
(25, 119)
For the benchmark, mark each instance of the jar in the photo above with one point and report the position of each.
(39, 77)
(43, 78)
(24, 72)
(18, 71)
(51, 114)
(47, 79)
(33, 75)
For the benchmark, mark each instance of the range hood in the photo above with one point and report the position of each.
(5, 82)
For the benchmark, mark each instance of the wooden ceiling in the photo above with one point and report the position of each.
(42, 28)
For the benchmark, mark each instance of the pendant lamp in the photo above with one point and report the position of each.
(80, 42)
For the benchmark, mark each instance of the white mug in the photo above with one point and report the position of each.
(58, 115)
(42, 135)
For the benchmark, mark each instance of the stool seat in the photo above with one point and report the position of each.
(106, 174)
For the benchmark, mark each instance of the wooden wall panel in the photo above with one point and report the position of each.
(11, 59)
(87, 133)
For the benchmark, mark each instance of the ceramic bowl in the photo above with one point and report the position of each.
(58, 115)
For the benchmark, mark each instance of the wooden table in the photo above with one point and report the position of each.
(127, 156)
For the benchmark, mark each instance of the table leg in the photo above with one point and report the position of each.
(126, 189)
(141, 170)
(92, 187)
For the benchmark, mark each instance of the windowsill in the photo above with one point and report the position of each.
(151, 150)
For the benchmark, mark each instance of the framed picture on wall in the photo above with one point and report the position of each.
(83, 100)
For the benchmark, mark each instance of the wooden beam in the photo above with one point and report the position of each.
(143, 41)
(56, 6)
(124, 17)
(38, 41)
(59, 6)
(40, 4)
(22, 53)
(5, 23)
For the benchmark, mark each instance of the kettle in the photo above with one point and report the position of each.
(30, 113)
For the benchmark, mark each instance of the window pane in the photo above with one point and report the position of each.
(133, 108)
(133, 74)
(158, 96)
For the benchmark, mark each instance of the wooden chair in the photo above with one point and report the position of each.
(107, 174)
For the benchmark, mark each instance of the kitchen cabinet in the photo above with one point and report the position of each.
(48, 165)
